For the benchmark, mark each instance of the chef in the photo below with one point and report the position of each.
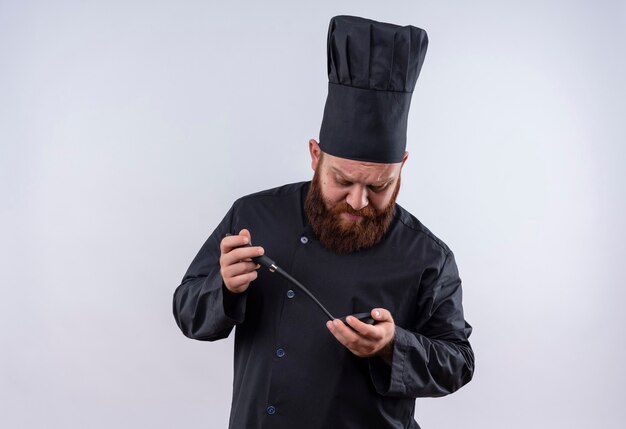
(344, 237)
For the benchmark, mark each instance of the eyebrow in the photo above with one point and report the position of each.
(381, 183)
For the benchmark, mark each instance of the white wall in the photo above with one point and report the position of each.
(128, 128)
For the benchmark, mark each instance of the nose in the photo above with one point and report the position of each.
(357, 197)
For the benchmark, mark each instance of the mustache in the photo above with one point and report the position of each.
(366, 212)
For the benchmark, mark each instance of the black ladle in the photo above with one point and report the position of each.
(266, 262)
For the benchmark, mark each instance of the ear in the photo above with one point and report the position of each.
(316, 152)
(406, 156)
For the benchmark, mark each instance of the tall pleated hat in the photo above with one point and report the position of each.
(372, 71)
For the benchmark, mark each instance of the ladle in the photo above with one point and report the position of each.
(268, 263)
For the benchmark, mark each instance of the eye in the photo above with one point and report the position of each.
(377, 189)
(342, 182)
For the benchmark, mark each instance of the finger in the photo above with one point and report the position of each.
(241, 281)
(233, 248)
(241, 254)
(230, 242)
(239, 269)
(342, 333)
(359, 345)
(245, 233)
(369, 331)
(381, 315)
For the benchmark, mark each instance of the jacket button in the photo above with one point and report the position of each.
(304, 240)
(290, 294)
(280, 353)
(271, 410)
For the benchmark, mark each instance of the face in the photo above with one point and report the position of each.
(350, 203)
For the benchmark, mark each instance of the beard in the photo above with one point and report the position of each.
(341, 235)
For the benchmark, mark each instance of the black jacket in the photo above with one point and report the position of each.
(290, 372)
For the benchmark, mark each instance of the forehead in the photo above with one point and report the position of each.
(360, 171)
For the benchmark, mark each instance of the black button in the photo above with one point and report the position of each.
(280, 353)
(290, 294)
(271, 410)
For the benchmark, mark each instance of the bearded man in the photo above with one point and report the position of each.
(345, 238)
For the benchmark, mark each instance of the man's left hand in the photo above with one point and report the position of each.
(366, 340)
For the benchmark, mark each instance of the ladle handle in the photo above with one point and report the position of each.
(267, 262)
(262, 260)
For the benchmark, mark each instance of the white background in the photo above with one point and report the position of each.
(127, 129)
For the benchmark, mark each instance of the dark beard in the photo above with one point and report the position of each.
(343, 236)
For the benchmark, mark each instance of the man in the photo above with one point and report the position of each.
(344, 237)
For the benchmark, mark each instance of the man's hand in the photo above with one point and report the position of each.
(236, 267)
(368, 340)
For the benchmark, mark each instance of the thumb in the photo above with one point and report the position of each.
(246, 233)
(381, 315)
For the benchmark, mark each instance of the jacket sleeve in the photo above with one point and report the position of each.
(203, 308)
(433, 357)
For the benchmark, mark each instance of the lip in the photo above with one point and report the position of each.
(350, 216)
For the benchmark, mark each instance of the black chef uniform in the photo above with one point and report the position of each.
(290, 372)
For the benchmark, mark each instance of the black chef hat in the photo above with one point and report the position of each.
(372, 70)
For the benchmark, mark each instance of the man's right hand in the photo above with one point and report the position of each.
(236, 265)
